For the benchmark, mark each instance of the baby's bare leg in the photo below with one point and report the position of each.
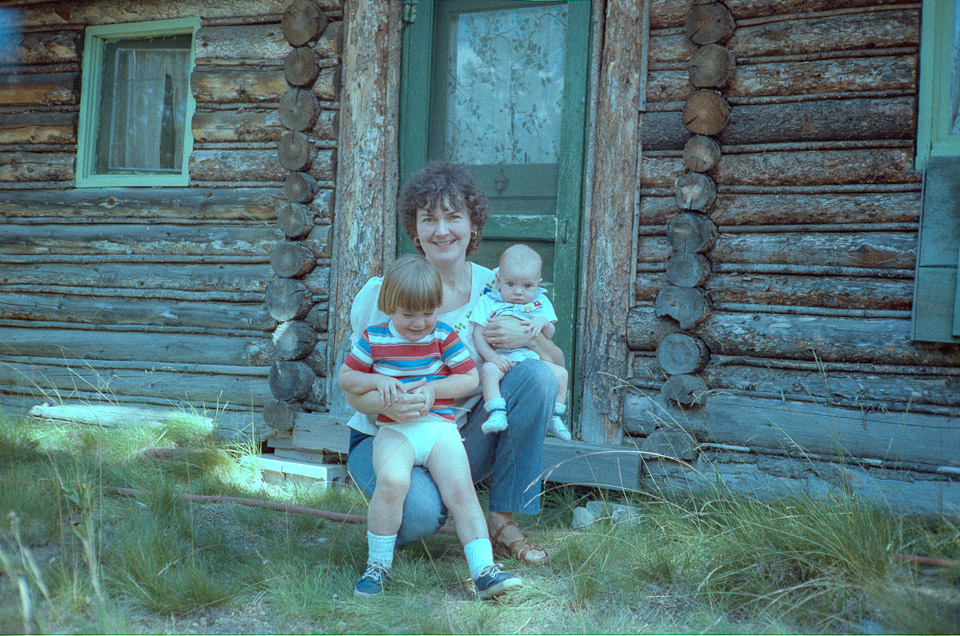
(555, 426)
(490, 376)
(562, 376)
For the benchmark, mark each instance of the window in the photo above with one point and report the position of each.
(936, 301)
(938, 117)
(136, 105)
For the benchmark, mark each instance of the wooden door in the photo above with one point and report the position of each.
(500, 85)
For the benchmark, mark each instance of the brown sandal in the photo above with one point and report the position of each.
(519, 548)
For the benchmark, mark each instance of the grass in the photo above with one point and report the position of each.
(76, 557)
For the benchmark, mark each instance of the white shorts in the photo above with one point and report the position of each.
(422, 433)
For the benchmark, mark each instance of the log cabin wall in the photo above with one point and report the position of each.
(809, 278)
(153, 296)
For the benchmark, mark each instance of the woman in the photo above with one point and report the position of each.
(443, 210)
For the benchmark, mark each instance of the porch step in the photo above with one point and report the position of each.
(276, 471)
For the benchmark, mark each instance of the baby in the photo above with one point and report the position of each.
(518, 294)
(411, 346)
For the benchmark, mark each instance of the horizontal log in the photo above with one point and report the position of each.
(94, 344)
(132, 204)
(671, 14)
(39, 89)
(263, 43)
(879, 250)
(111, 12)
(252, 165)
(820, 120)
(220, 126)
(838, 292)
(49, 47)
(827, 338)
(38, 128)
(196, 240)
(796, 78)
(767, 209)
(801, 167)
(36, 166)
(183, 277)
(883, 250)
(215, 389)
(327, 86)
(225, 85)
(259, 43)
(811, 34)
(900, 393)
(792, 427)
(100, 310)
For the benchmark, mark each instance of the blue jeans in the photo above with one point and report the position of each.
(514, 457)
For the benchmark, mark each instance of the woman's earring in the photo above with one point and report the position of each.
(416, 241)
(473, 235)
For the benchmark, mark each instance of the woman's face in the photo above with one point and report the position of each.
(444, 233)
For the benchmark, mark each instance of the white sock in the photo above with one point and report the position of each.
(497, 403)
(559, 409)
(479, 553)
(380, 549)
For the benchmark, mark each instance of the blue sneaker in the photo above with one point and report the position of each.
(372, 580)
(493, 581)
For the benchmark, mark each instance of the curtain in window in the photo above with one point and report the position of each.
(149, 109)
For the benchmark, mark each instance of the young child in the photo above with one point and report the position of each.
(410, 346)
(518, 294)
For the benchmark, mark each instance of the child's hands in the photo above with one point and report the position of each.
(388, 388)
(534, 326)
(502, 362)
(429, 397)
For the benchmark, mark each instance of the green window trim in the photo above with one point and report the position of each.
(96, 38)
(933, 99)
(936, 300)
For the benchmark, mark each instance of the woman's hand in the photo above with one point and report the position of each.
(408, 405)
(505, 332)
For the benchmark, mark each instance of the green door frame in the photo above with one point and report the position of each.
(415, 117)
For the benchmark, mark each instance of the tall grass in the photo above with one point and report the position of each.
(76, 557)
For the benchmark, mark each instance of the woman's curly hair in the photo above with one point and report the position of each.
(434, 183)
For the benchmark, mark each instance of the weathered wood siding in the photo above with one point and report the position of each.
(810, 277)
(151, 296)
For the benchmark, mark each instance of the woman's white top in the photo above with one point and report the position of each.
(364, 313)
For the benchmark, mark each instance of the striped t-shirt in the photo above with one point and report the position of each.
(380, 349)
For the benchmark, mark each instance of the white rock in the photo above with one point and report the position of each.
(582, 518)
